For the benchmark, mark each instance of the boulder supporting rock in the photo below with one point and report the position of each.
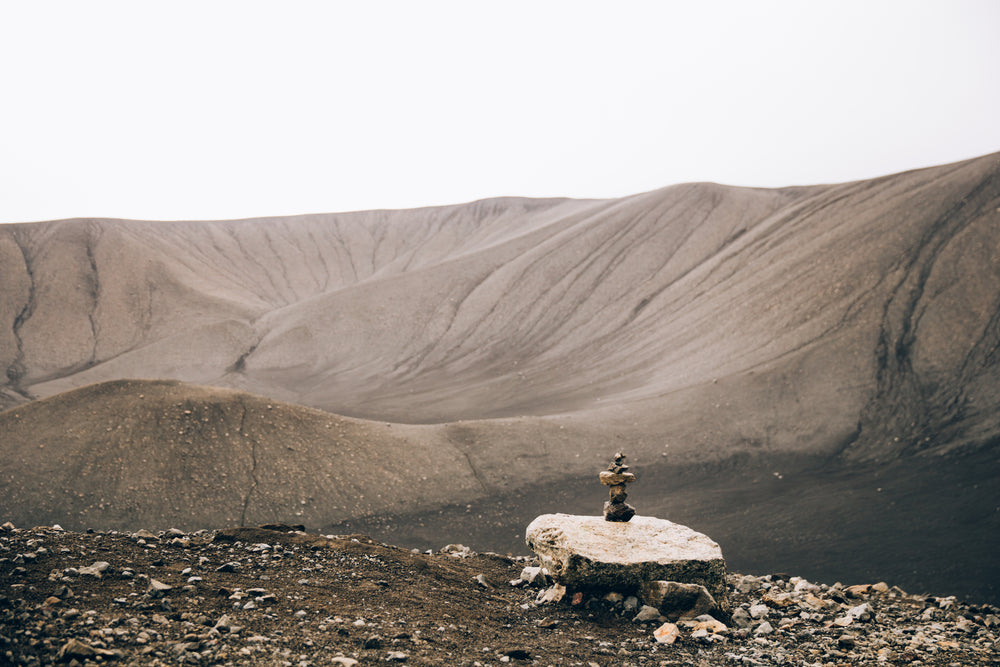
(587, 552)
(678, 601)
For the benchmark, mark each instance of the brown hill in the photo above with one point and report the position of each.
(127, 453)
(813, 319)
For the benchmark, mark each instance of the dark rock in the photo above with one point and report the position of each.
(619, 511)
(677, 600)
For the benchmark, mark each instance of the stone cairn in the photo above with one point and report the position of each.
(615, 478)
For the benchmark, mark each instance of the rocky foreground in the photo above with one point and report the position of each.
(279, 596)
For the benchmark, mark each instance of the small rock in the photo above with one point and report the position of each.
(647, 614)
(965, 625)
(457, 551)
(231, 566)
(534, 575)
(344, 661)
(158, 589)
(747, 583)
(779, 599)
(75, 648)
(553, 594)
(816, 603)
(517, 654)
(741, 618)
(710, 624)
(758, 611)
(396, 656)
(764, 628)
(847, 642)
(677, 600)
(703, 636)
(481, 580)
(800, 585)
(863, 612)
(666, 633)
(858, 591)
(96, 570)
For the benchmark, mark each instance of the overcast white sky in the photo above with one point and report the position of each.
(226, 109)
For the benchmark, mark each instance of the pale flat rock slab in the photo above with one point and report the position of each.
(589, 552)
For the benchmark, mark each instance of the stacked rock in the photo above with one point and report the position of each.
(616, 477)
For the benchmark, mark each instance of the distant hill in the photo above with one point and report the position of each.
(511, 342)
(137, 452)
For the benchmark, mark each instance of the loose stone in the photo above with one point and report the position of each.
(676, 600)
(666, 633)
(646, 614)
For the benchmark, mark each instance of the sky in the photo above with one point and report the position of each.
(217, 109)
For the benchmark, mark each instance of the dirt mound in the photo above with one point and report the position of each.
(131, 453)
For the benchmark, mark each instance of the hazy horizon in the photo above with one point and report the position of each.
(235, 110)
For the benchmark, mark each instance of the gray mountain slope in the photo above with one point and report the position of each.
(859, 316)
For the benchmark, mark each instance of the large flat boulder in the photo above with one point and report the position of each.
(587, 552)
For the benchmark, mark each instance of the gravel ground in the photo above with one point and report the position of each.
(279, 596)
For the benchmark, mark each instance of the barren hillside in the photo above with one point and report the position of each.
(512, 343)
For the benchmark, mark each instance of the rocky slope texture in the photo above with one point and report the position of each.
(252, 596)
(514, 344)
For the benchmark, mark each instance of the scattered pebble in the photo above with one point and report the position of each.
(237, 598)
